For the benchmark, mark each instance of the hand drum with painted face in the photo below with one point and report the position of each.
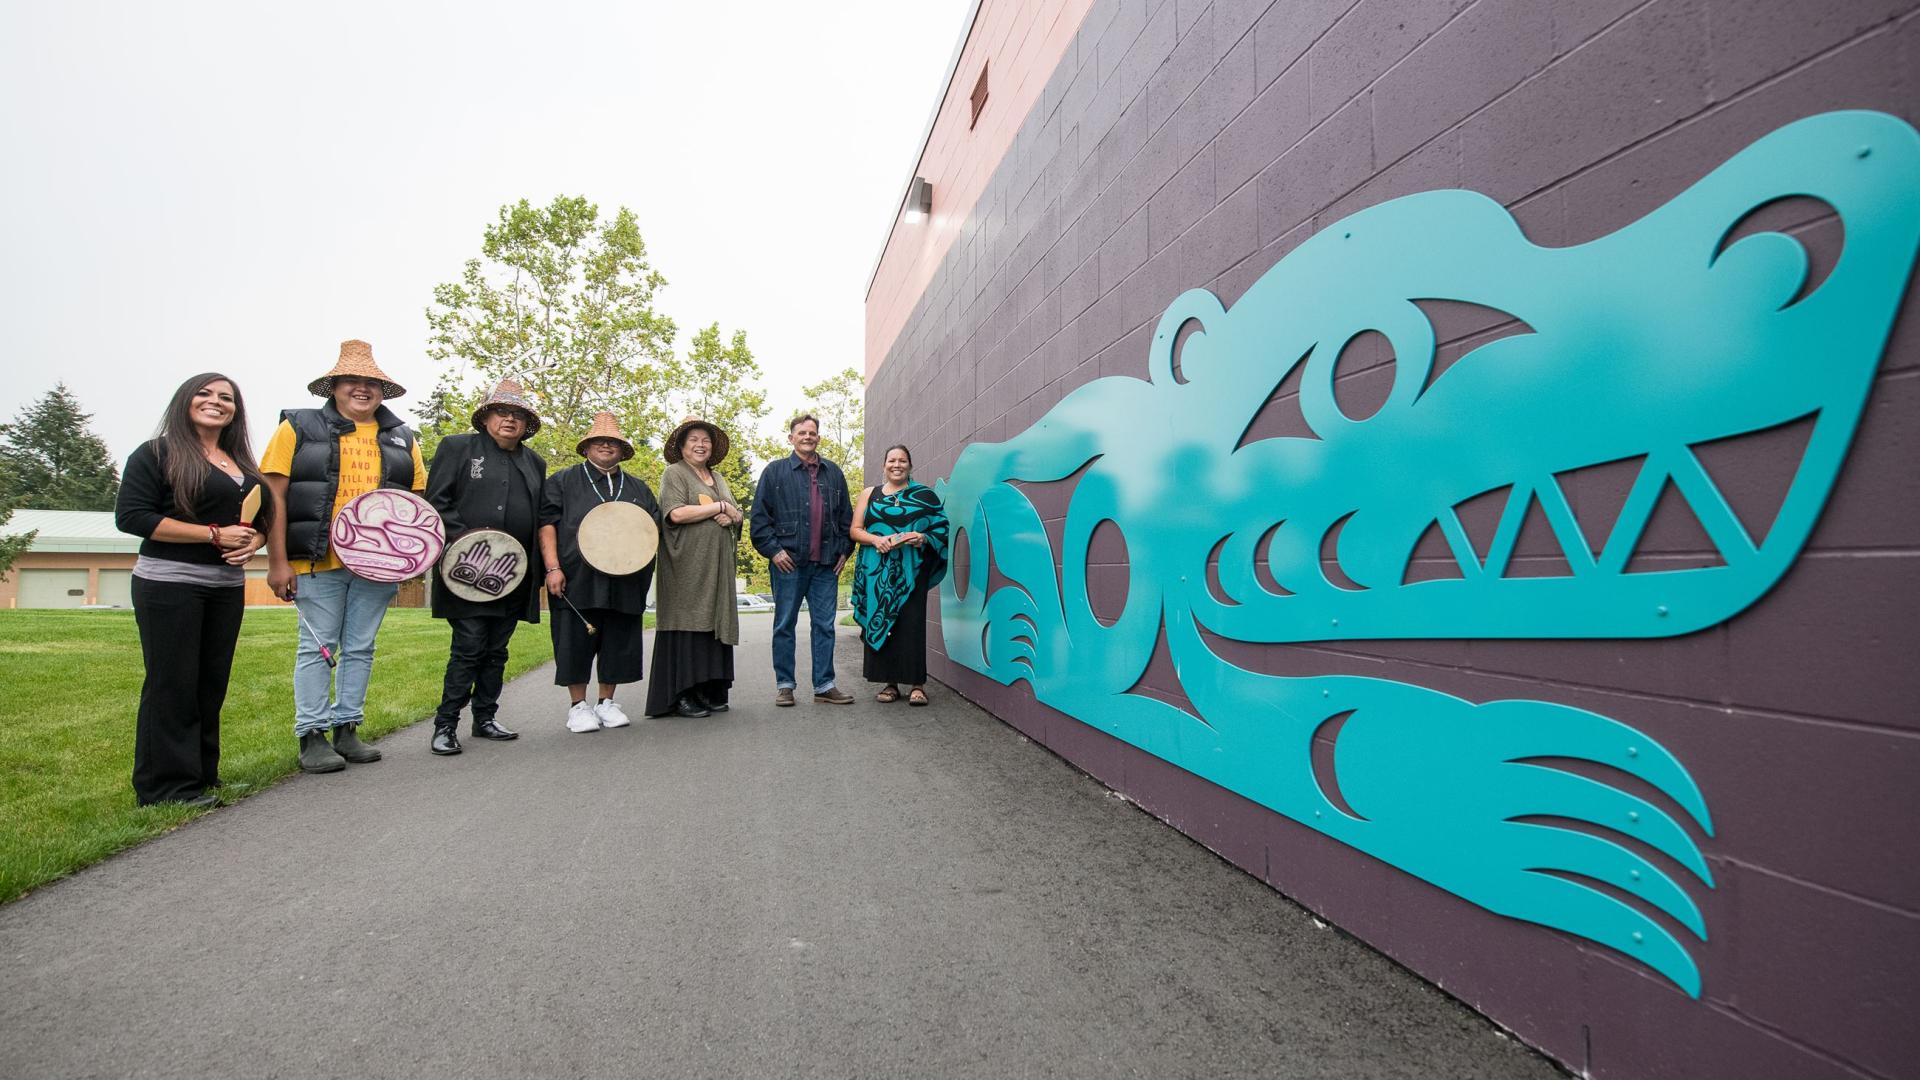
(618, 538)
(483, 565)
(387, 535)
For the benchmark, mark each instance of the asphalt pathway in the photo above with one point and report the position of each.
(861, 891)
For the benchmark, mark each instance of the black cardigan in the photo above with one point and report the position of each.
(146, 498)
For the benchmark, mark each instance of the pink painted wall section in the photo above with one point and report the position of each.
(1020, 41)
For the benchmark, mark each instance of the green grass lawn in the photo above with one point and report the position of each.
(71, 682)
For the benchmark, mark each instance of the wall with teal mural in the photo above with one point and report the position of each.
(1456, 461)
(1642, 344)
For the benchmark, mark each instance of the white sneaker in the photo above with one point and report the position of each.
(582, 717)
(610, 714)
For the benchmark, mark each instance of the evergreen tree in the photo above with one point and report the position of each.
(52, 461)
(10, 546)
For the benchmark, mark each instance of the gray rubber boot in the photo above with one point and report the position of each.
(346, 743)
(317, 755)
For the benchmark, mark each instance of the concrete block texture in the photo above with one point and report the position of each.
(1196, 143)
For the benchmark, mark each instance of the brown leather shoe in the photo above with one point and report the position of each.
(784, 696)
(835, 696)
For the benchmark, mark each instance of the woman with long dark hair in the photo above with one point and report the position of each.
(182, 492)
(902, 532)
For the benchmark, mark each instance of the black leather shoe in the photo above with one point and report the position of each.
(487, 729)
(690, 707)
(208, 799)
(706, 702)
(446, 740)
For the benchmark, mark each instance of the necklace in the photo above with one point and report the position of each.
(613, 494)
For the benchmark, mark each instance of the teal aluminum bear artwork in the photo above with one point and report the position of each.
(1646, 343)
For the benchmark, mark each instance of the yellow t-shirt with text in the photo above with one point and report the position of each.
(359, 473)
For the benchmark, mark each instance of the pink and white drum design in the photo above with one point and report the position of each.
(388, 535)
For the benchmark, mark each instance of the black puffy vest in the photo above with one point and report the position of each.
(314, 477)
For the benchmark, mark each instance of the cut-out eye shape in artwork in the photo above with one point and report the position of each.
(1438, 507)
(387, 535)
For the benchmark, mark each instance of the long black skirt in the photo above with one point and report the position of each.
(903, 657)
(686, 660)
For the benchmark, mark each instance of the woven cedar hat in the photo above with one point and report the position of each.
(356, 358)
(508, 395)
(720, 441)
(605, 426)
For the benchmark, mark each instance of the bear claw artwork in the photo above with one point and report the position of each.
(1637, 348)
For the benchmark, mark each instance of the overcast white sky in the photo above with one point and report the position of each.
(238, 187)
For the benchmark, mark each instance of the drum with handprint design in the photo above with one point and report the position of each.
(387, 535)
(483, 565)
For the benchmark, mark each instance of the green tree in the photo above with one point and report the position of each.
(841, 404)
(50, 460)
(719, 381)
(12, 546)
(562, 302)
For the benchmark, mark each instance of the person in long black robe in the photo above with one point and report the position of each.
(596, 618)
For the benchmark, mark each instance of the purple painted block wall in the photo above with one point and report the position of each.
(1182, 143)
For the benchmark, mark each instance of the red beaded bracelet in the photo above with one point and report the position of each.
(213, 535)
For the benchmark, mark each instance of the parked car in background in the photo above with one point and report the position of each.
(753, 602)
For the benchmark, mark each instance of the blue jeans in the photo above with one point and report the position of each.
(346, 611)
(819, 586)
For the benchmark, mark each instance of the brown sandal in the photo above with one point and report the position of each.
(888, 696)
(917, 696)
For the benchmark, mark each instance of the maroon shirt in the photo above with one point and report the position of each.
(815, 509)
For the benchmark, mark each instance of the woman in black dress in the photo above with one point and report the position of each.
(902, 532)
(182, 492)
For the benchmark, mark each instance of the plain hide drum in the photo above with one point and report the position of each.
(618, 538)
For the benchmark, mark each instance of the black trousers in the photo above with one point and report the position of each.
(187, 635)
(476, 668)
(616, 643)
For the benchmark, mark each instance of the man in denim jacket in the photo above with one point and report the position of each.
(801, 514)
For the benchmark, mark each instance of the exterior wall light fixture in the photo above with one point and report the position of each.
(919, 200)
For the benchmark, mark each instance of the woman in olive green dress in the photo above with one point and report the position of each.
(696, 618)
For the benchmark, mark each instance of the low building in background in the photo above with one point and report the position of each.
(79, 559)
